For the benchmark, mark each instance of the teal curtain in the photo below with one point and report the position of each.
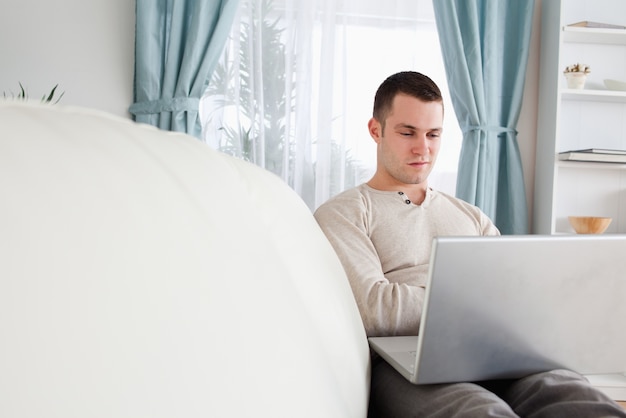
(485, 47)
(177, 46)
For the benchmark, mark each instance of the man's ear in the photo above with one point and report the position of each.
(375, 129)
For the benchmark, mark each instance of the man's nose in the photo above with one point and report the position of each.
(420, 145)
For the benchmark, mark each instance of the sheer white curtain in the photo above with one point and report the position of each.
(296, 84)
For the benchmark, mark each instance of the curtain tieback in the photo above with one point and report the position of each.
(498, 129)
(176, 104)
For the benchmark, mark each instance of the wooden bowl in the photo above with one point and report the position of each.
(589, 224)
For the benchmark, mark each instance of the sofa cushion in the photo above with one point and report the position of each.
(145, 274)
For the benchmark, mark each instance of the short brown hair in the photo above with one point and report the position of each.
(410, 83)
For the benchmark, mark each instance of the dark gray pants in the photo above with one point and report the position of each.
(555, 394)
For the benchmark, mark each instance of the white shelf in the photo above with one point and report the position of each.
(575, 34)
(566, 118)
(590, 165)
(594, 95)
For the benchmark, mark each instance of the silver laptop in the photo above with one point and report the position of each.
(509, 306)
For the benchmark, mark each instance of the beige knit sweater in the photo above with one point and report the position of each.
(384, 244)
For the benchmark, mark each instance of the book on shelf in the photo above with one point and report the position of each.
(603, 151)
(588, 24)
(594, 155)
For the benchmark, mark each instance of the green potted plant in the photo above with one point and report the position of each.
(23, 95)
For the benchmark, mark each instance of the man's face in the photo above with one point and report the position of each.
(409, 144)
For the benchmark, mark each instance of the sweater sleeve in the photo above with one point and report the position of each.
(386, 308)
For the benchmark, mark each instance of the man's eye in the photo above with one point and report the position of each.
(407, 133)
(434, 134)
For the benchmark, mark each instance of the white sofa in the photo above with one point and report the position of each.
(145, 275)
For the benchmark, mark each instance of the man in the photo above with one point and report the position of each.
(382, 232)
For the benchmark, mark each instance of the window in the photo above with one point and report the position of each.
(295, 88)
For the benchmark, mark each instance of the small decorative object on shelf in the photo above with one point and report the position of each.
(576, 75)
(615, 84)
(589, 224)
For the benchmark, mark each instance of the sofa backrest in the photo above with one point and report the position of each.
(145, 275)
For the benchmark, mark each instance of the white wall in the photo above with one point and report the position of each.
(86, 46)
